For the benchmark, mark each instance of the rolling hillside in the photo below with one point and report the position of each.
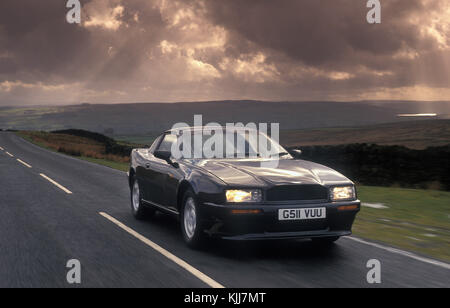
(413, 134)
(146, 118)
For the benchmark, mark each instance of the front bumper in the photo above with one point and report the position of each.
(219, 221)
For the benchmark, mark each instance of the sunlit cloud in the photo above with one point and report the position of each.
(101, 14)
(253, 68)
(8, 86)
(203, 70)
(177, 50)
(437, 25)
(167, 47)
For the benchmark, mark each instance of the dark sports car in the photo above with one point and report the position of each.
(238, 198)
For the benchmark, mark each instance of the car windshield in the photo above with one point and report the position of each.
(226, 144)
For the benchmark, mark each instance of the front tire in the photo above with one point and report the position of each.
(191, 227)
(139, 210)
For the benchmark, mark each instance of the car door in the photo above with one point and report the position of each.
(173, 179)
(144, 170)
(156, 172)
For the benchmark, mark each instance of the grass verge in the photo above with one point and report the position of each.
(415, 220)
(79, 147)
(108, 163)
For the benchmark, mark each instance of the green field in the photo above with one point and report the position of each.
(414, 220)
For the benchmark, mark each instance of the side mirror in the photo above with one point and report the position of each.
(297, 152)
(165, 155)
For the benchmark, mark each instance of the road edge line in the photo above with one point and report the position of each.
(401, 252)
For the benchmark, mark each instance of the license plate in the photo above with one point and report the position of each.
(302, 214)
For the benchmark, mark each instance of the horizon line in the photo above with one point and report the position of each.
(225, 101)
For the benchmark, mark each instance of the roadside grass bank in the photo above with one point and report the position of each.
(96, 151)
(108, 163)
(411, 219)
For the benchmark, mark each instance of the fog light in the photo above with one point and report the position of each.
(347, 207)
(245, 211)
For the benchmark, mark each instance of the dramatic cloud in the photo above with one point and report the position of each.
(183, 50)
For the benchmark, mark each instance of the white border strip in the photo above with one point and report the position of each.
(2, 149)
(56, 184)
(401, 252)
(9, 154)
(212, 283)
(24, 163)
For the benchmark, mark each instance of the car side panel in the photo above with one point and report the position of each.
(206, 186)
(155, 177)
(174, 177)
(138, 160)
(147, 169)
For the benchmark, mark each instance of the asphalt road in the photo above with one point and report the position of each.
(42, 226)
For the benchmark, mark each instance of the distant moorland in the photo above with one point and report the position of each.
(151, 118)
(411, 134)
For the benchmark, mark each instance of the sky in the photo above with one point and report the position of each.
(127, 51)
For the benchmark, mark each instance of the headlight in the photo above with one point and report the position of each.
(253, 195)
(342, 193)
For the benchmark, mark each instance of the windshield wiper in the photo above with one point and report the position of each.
(248, 154)
(280, 154)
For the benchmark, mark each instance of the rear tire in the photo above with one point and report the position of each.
(191, 228)
(138, 209)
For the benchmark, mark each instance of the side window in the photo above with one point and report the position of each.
(166, 143)
(154, 144)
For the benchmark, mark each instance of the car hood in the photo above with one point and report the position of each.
(250, 172)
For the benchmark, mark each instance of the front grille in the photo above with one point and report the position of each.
(297, 192)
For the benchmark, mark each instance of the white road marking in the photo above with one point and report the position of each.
(402, 252)
(56, 184)
(9, 154)
(2, 149)
(24, 163)
(165, 253)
